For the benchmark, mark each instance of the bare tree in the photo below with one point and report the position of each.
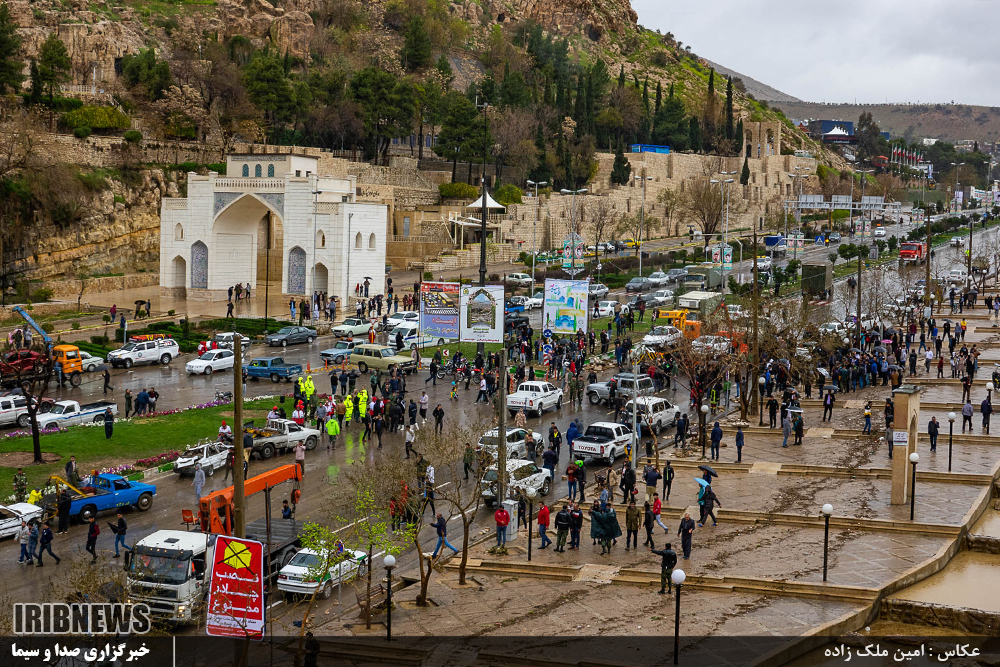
(669, 200)
(508, 128)
(702, 202)
(33, 377)
(630, 226)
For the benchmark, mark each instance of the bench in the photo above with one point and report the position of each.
(371, 602)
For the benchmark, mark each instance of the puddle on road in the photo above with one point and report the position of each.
(969, 580)
(988, 524)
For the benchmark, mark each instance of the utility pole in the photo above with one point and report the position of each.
(642, 214)
(635, 419)
(502, 430)
(480, 347)
(755, 361)
(239, 499)
(927, 224)
(534, 229)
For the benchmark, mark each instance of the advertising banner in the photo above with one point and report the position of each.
(439, 310)
(565, 308)
(236, 592)
(572, 253)
(481, 313)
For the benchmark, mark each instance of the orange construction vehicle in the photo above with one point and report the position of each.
(215, 511)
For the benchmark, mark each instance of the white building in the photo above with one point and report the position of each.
(273, 222)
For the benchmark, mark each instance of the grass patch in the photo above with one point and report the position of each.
(139, 438)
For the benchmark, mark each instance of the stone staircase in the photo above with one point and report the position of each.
(468, 257)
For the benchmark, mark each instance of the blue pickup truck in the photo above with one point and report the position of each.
(100, 493)
(274, 368)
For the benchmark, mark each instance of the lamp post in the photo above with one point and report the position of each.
(315, 193)
(864, 180)
(760, 400)
(534, 227)
(642, 215)
(914, 458)
(572, 272)
(389, 562)
(827, 511)
(989, 400)
(955, 191)
(678, 577)
(951, 432)
(724, 214)
(532, 494)
(704, 415)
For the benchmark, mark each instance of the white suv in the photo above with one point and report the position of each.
(520, 475)
(519, 280)
(162, 351)
(516, 449)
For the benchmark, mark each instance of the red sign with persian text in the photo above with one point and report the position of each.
(236, 593)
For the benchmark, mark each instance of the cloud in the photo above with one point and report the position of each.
(838, 52)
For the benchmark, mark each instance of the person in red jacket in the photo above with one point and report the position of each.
(502, 517)
(543, 526)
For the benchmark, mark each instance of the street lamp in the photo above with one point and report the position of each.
(532, 494)
(914, 458)
(955, 191)
(573, 223)
(642, 215)
(989, 400)
(678, 577)
(951, 432)
(389, 562)
(760, 402)
(534, 227)
(827, 511)
(704, 416)
(316, 194)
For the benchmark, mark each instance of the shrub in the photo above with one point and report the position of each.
(457, 191)
(75, 324)
(82, 132)
(94, 181)
(106, 318)
(48, 327)
(428, 275)
(100, 340)
(171, 312)
(97, 118)
(133, 136)
(41, 294)
(60, 104)
(508, 194)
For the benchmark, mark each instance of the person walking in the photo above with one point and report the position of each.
(657, 508)
(651, 476)
(986, 410)
(716, 441)
(332, 431)
(648, 521)
(441, 526)
(739, 444)
(300, 457)
(23, 535)
(120, 531)
(632, 525)
(828, 401)
(468, 459)
(128, 402)
(438, 419)
(502, 518)
(575, 526)
(64, 505)
(967, 411)
(92, 532)
(668, 561)
(709, 500)
(562, 523)
(45, 544)
(107, 382)
(199, 480)
(933, 428)
(668, 480)
(543, 525)
(868, 418)
(109, 424)
(685, 532)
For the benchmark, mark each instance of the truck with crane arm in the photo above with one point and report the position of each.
(170, 570)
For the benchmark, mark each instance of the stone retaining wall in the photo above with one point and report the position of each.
(983, 544)
(973, 621)
(69, 289)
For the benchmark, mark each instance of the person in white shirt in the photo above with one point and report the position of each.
(273, 414)
(429, 491)
(424, 400)
(410, 439)
(225, 432)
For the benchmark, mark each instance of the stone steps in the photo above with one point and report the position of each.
(522, 569)
(824, 591)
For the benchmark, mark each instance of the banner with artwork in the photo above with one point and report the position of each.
(565, 308)
(481, 313)
(439, 310)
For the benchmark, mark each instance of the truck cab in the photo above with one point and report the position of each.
(69, 360)
(170, 570)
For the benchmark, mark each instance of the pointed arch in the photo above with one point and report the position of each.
(357, 241)
(371, 241)
(199, 265)
(296, 271)
(256, 170)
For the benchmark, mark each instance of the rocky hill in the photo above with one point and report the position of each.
(759, 90)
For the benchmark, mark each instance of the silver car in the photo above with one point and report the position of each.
(598, 290)
(598, 392)
(658, 278)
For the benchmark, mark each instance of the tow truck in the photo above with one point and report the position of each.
(170, 569)
(99, 493)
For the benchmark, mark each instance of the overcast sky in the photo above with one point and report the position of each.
(867, 50)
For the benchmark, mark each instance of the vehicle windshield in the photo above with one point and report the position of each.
(285, 330)
(660, 331)
(490, 476)
(208, 356)
(342, 345)
(192, 452)
(160, 569)
(303, 559)
(58, 409)
(128, 347)
(388, 352)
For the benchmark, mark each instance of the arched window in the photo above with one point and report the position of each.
(320, 239)
(256, 170)
(270, 171)
(178, 232)
(371, 242)
(246, 171)
(357, 241)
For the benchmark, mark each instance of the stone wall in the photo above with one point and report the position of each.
(973, 621)
(982, 543)
(69, 289)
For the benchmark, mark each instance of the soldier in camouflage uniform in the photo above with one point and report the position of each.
(20, 486)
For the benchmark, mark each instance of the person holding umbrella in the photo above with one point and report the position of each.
(828, 401)
(708, 501)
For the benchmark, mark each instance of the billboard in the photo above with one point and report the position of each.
(236, 592)
(565, 308)
(439, 310)
(572, 252)
(481, 313)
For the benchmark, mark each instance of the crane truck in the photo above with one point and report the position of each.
(170, 570)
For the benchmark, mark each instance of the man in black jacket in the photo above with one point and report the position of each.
(562, 528)
(668, 559)
(65, 503)
(932, 430)
(627, 483)
(45, 544)
(575, 524)
(668, 480)
(93, 530)
(120, 530)
(685, 532)
(438, 419)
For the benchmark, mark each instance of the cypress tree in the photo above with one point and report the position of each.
(738, 136)
(745, 174)
(659, 97)
(11, 63)
(635, 80)
(540, 174)
(36, 83)
(547, 92)
(694, 134)
(621, 171)
(729, 112)
(560, 97)
(580, 107)
(621, 77)
(708, 121)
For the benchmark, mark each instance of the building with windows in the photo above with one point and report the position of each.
(274, 222)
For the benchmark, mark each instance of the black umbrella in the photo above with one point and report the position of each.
(894, 367)
(831, 387)
(854, 349)
(709, 470)
(879, 349)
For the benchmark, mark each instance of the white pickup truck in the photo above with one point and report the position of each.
(602, 440)
(280, 435)
(534, 397)
(71, 413)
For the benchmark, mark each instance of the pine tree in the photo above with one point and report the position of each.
(541, 174)
(444, 69)
(694, 134)
(547, 92)
(416, 51)
(54, 64)
(745, 174)
(10, 52)
(729, 112)
(621, 77)
(708, 118)
(621, 171)
(659, 97)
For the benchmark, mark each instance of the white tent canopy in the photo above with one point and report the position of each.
(490, 203)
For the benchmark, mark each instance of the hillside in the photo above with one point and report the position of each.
(950, 122)
(760, 91)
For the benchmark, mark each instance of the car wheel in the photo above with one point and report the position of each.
(144, 502)
(311, 443)
(656, 428)
(284, 343)
(594, 398)
(75, 379)
(128, 363)
(440, 341)
(546, 485)
(275, 378)
(87, 512)
(310, 340)
(23, 421)
(267, 451)
(208, 370)
(165, 359)
(98, 419)
(559, 403)
(327, 590)
(363, 367)
(612, 455)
